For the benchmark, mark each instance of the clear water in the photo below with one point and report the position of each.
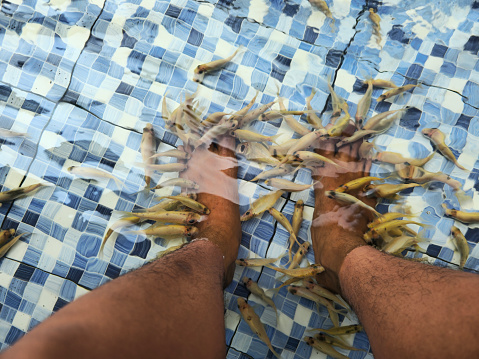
(83, 79)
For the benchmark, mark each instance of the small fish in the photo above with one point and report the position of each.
(461, 244)
(280, 171)
(386, 217)
(382, 229)
(309, 157)
(261, 204)
(329, 339)
(4, 133)
(437, 138)
(395, 91)
(388, 190)
(356, 136)
(312, 118)
(5, 235)
(258, 152)
(256, 262)
(165, 114)
(123, 222)
(182, 155)
(254, 114)
(7, 196)
(282, 149)
(281, 218)
(254, 288)
(6, 247)
(252, 319)
(382, 83)
(375, 19)
(166, 167)
(304, 142)
(201, 70)
(340, 125)
(180, 182)
(323, 292)
(310, 271)
(365, 150)
(188, 202)
(420, 175)
(250, 136)
(275, 114)
(383, 121)
(324, 348)
(348, 199)
(363, 105)
(337, 101)
(214, 119)
(299, 255)
(322, 6)
(89, 172)
(397, 158)
(172, 230)
(178, 217)
(291, 121)
(398, 244)
(216, 131)
(296, 223)
(147, 148)
(357, 183)
(461, 216)
(345, 330)
(245, 109)
(287, 186)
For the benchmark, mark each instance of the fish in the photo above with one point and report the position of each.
(308, 156)
(254, 114)
(461, 245)
(395, 91)
(386, 217)
(122, 222)
(165, 114)
(256, 262)
(348, 199)
(90, 172)
(4, 133)
(329, 339)
(147, 148)
(287, 186)
(397, 158)
(382, 229)
(172, 230)
(280, 171)
(180, 182)
(388, 190)
(306, 293)
(252, 319)
(165, 167)
(383, 121)
(276, 114)
(178, 217)
(309, 271)
(357, 183)
(6, 247)
(340, 124)
(398, 244)
(282, 149)
(438, 139)
(337, 101)
(357, 136)
(261, 204)
(254, 288)
(7, 196)
(281, 218)
(322, 6)
(291, 121)
(201, 70)
(245, 109)
(382, 83)
(303, 143)
(5, 235)
(323, 292)
(344, 330)
(324, 348)
(250, 136)
(188, 202)
(175, 153)
(258, 152)
(420, 175)
(216, 131)
(214, 119)
(311, 117)
(365, 150)
(461, 216)
(299, 255)
(296, 222)
(376, 20)
(363, 105)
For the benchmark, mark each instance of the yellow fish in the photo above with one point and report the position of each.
(438, 139)
(201, 70)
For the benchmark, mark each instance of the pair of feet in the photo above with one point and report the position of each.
(335, 231)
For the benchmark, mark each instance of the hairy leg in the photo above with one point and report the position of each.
(170, 308)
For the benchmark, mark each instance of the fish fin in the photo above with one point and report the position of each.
(105, 239)
(124, 214)
(145, 190)
(275, 137)
(462, 197)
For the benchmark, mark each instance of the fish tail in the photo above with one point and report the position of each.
(145, 190)
(119, 184)
(103, 242)
(124, 214)
(274, 353)
(462, 197)
(275, 137)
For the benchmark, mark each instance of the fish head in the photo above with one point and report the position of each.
(199, 74)
(427, 131)
(241, 148)
(309, 340)
(293, 289)
(318, 268)
(455, 231)
(306, 245)
(71, 168)
(247, 216)
(192, 218)
(241, 262)
(246, 280)
(330, 194)
(191, 232)
(242, 304)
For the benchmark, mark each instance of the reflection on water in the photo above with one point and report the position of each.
(83, 79)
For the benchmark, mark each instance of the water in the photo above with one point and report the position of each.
(83, 79)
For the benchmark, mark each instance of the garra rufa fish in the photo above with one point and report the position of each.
(254, 288)
(357, 183)
(201, 70)
(256, 262)
(252, 319)
(89, 172)
(15, 193)
(188, 202)
(147, 149)
(396, 91)
(348, 199)
(438, 139)
(461, 216)
(324, 348)
(345, 330)
(261, 204)
(461, 245)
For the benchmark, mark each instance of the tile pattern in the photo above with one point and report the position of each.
(83, 79)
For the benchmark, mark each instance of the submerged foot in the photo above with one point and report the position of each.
(215, 171)
(337, 229)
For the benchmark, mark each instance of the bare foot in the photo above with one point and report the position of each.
(215, 171)
(337, 229)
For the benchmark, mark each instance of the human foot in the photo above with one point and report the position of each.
(337, 229)
(215, 171)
